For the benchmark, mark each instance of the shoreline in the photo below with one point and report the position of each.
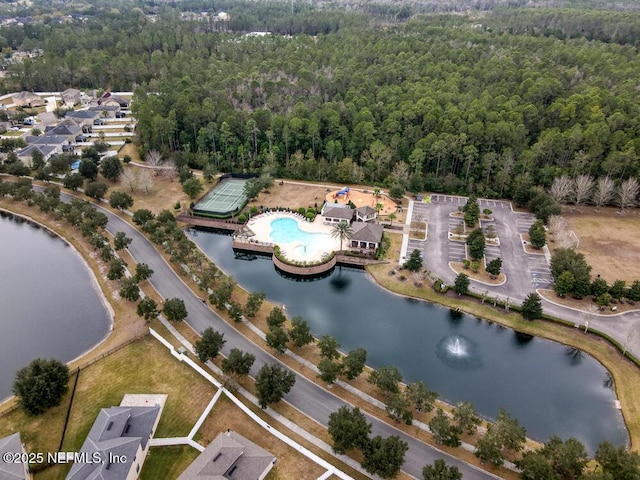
(95, 285)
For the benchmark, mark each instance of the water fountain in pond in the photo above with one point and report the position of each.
(459, 352)
(457, 349)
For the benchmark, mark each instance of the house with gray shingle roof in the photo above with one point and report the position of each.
(120, 437)
(366, 235)
(336, 213)
(230, 457)
(25, 155)
(28, 99)
(84, 118)
(366, 214)
(67, 130)
(12, 471)
(71, 96)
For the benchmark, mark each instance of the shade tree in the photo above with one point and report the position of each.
(272, 383)
(353, 363)
(174, 309)
(237, 363)
(300, 332)
(349, 429)
(209, 345)
(41, 385)
(439, 470)
(148, 309)
(384, 456)
(387, 379)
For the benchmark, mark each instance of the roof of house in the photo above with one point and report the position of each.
(366, 232)
(26, 96)
(366, 210)
(11, 471)
(28, 151)
(83, 114)
(71, 92)
(46, 140)
(63, 129)
(103, 108)
(338, 212)
(229, 456)
(116, 431)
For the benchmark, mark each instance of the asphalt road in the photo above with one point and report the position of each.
(311, 399)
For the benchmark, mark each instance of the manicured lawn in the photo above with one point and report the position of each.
(141, 367)
(167, 462)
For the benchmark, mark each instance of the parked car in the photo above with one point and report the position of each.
(120, 114)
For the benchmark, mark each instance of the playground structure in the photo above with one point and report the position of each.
(361, 198)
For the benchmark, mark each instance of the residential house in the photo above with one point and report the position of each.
(105, 111)
(69, 130)
(366, 214)
(336, 213)
(28, 99)
(366, 235)
(13, 470)
(84, 118)
(25, 155)
(71, 97)
(59, 143)
(230, 456)
(115, 101)
(117, 443)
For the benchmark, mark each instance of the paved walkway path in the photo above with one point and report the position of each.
(330, 469)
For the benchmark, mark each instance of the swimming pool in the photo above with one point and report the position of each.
(307, 245)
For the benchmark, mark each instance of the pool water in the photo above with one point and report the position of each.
(287, 230)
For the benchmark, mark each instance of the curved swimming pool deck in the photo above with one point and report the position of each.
(298, 239)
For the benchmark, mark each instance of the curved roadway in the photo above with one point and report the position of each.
(308, 397)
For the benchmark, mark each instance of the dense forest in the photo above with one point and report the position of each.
(490, 102)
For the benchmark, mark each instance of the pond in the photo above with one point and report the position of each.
(549, 388)
(49, 303)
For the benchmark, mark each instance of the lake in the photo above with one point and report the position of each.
(49, 303)
(550, 388)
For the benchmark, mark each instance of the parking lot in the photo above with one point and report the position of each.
(524, 271)
(540, 272)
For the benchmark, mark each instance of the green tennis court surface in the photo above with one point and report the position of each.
(226, 198)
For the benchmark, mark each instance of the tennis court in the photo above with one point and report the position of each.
(224, 200)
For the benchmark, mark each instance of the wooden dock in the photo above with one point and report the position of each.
(208, 222)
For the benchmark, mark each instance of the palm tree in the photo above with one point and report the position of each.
(343, 231)
(392, 217)
(379, 206)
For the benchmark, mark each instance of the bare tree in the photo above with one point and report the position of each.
(559, 232)
(130, 178)
(145, 180)
(628, 193)
(603, 191)
(582, 186)
(154, 159)
(556, 225)
(561, 189)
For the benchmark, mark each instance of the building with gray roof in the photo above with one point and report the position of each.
(366, 235)
(366, 214)
(336, 213)
(230, 457)
(17, 470)
(117, 444)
